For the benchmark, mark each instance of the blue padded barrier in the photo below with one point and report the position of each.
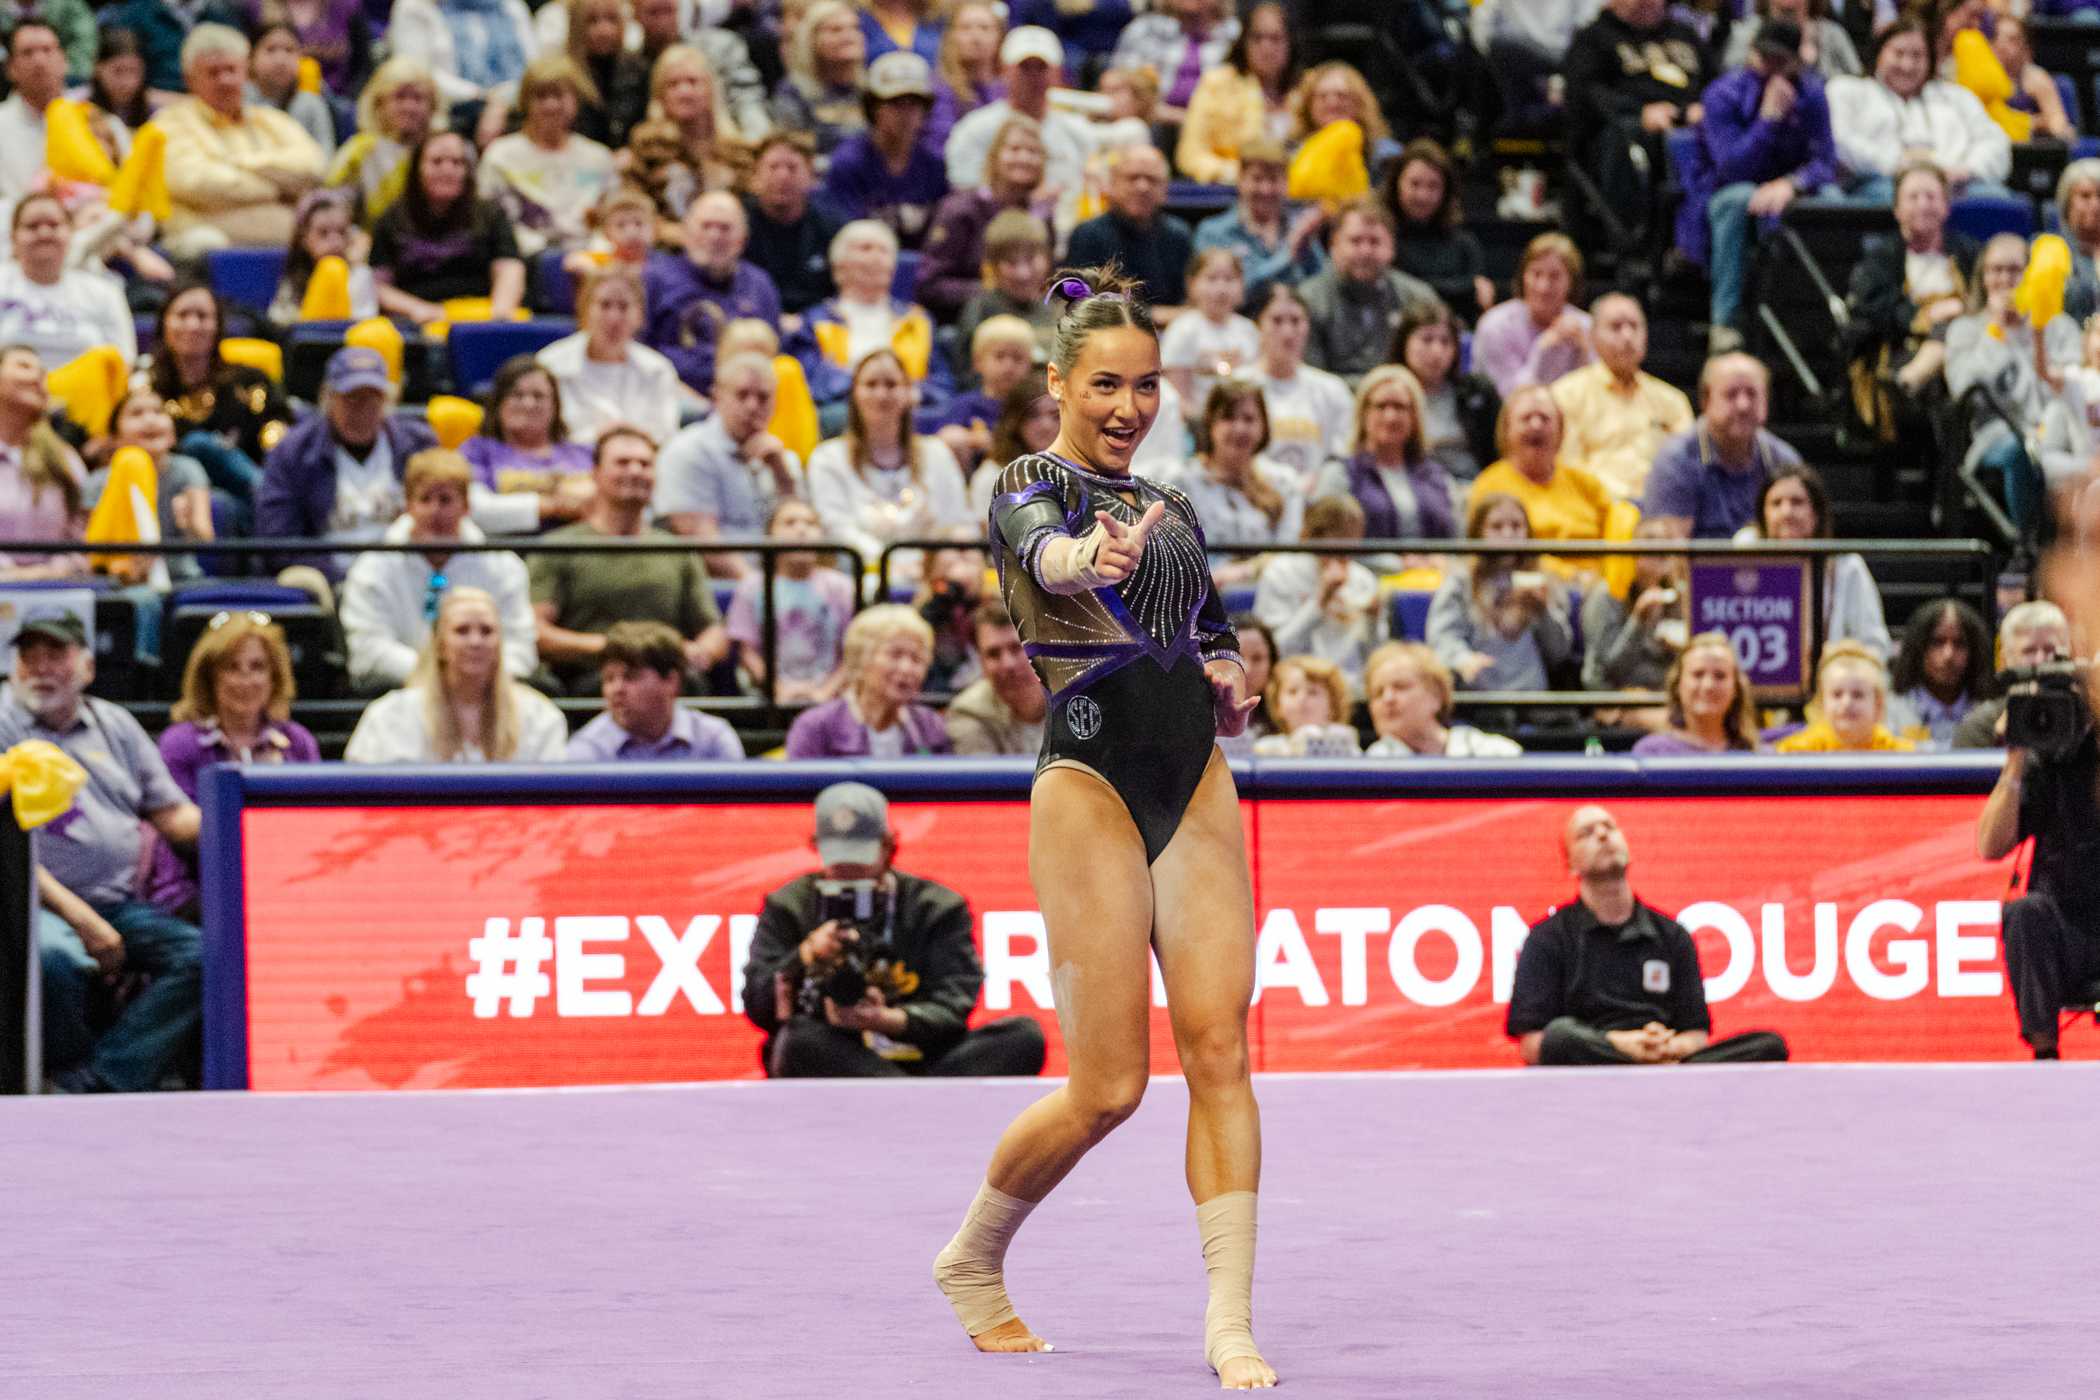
(247, 277)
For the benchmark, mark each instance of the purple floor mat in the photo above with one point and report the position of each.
(1784, 1232)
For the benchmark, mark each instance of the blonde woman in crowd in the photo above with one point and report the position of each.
(459, 706)
(1410, 694)
(1852, 701)
(397, 109)
(887, 652)
(882, 480)
(1710, 710)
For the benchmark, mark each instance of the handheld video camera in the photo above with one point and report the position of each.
(864, 906)
(2046, 711)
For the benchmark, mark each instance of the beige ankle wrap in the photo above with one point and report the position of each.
(972, 1269)
(1227, 1226)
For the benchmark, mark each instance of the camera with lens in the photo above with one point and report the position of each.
(866, 960)
(2046, 711)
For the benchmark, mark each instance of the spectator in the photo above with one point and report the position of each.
(864, 318)
(2037, 93)
(2018, 368)
(688, 145)
(40, 477)
(882, 480)
(578, 596)
(1355, 303)
(234, 169)
(545, 178)
(1271, 249)
(1003, 711)
(691, 298)
(1324, 605)
(71, 24)
(1852, 700)
(1405, 493)
(396, 110)
(1308, 704)
(58, 312)
(1151, 246)
(812, 605)
(1707, 704)
(1458, 410)
(663, 24)
(1706, 480)
(92, 922)
(1212, 341)
(1421, 193)
(1825, 44)
(1258, 654)
(322, 228)
(1244, 500)
(273, 80)
(1241, 102)
(907, 26)
(616, 96)
(389, 601)
(725, 474)
(1614, 415)
(1180, 44)
(604, 376)
(528, 474)
(1796, 506)
(235, 708)
(1525, 42)
(1002, 353)
(1561, 501)
(890, 172)
(950, 588)
(1765, 140)
(337, 476)
(1633, 74)
(966, 71)
(915, 1022)
(36, 75)
(1016, 262)
(1410, 694)
(118, 86)
(1497, 620)
(1090, 34)
(1633, 634)
(475, 48)
(1540, 335)
(1941, 674)
(230, 416)
(458, 706)
(790, 236)
(183, 507)
(953, 271)
(641, 672)
(1027, 423)
(887, 651)
(1030, 58)
(2078, 211)
(1608, 980)
(163, 29)
(1336, 92)
(1903, 113)
(1309, 410)
(2030, 634)
(821, 92)
(439, 243)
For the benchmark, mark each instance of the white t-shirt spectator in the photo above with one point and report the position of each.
(547, 194)
(1209, 349)
(870, 508)
(387, 602)
(641, 389)
(1310, 419)
(394, 729)
(81, 310)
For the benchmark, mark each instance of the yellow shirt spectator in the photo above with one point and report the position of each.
(235, 168)
(1615, 427)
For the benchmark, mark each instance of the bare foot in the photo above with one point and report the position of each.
(1011, 1335)
(1246, 1373)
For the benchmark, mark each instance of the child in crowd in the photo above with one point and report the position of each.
(1001, 354)
(812, 603)
(183, 508)
(1214, 342)
(1307, 700)
(623, 230)
(1324, 605)
(1503, 623)
(273, 77)
(1016, 264)
(322, 227)
(1027, 423)
(1852, 700)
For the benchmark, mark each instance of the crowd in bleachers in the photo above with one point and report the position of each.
(685, 273)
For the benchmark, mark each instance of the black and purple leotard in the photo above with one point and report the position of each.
(1124, 664)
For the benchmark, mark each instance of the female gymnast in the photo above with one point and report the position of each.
(1134, 825)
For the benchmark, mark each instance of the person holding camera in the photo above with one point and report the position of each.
(2030, 634)
(863, 971)
(2047, 791)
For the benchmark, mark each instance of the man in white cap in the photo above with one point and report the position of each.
(889, 172)
(915, 952)
(1031, 60)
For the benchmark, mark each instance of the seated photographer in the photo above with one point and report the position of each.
(2046, 791)
(2029, 634)
(864, 971)
(1608, 980)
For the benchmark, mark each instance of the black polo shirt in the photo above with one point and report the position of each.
(1610, 977)
(2059, 809)
(1157, 255)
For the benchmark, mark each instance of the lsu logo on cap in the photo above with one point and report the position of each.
(1655, 975)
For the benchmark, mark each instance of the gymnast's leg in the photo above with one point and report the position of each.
(1087, 863)
(1204, 929)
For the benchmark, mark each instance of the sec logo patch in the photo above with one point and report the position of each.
(1082, 717)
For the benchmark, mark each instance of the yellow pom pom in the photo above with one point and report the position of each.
(2040, 295)
(89, 385)
(43, 779)
(454, 419)
(327, 292)
(378, 333)
(70, 148)
(1330, 166)
(141, 187)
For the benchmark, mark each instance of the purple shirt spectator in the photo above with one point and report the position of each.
(491, 459)
(810, 617)
(1689, 482)
(188, 749)
(692, 735)
(688, 308)
(859, 184)
(1506, 349)
(833, 730)
(1736, 146)
(951, 106)
(1677, 746)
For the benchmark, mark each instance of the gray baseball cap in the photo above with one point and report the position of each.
(853, 820)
